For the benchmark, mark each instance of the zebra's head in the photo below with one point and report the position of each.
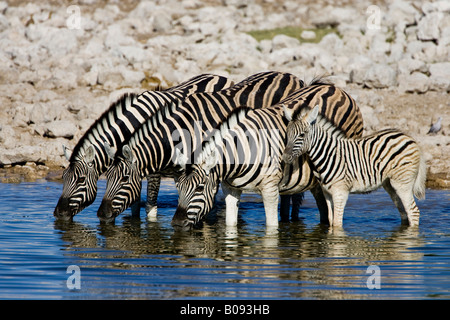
(297, 137)
(123, 186)
(197, 187)
(80, 184)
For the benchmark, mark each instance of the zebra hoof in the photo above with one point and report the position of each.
(151, 212)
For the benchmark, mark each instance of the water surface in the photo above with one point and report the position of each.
(141, 259)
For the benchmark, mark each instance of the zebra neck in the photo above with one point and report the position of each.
(323, 147)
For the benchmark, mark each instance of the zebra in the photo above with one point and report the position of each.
(151, 149)
(244, 154)
(387, 158)
(89, 160)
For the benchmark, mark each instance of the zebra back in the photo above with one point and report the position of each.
(200, 113)
(335, 105)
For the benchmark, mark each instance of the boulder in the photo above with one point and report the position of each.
(380, 76)
(282, 41)
(61, 129)
(357, 68)
(439, 76)
(415, 82)
(21, 154)
(410, 65)
(401, 11)
(428, 26)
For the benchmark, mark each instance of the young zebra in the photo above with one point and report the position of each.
(151, 149)
(387, 158)
(244, 154)
(89, 158)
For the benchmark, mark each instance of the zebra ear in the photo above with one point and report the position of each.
(128, 154)
(110, 150)
(287, 113)
(211, 160)
(180, 159)
(90, 154)
(311, 117)
(66, 154)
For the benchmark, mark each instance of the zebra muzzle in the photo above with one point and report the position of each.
(106, 212)
(180, 220)
(63, 210)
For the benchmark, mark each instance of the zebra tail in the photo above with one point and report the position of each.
(419, 183)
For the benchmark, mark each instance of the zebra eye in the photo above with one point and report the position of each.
(200, 188)
(125, 178)
(81, 180)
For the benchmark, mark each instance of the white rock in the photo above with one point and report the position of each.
(116, 37)
(94, 48)
(308, 34)
(441, 69)
(21, 154)
(415, 82)
(428, 26)
(333, 16)
(439, 76)
(162, 21)
(357, 68)
(61, 129)
(7, 137)
(409, 65)
(332, 43)
(133, 54)
(380, 76)
(400, 11)
(282, 41)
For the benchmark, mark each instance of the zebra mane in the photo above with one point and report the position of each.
(329, 126)
(90, 136)
(215, 137)
(320, 80)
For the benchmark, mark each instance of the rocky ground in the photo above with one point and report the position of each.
(63, 63)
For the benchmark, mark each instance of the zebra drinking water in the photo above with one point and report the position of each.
(244, 154)
(387, 158)
(89, 158)
(151, 149)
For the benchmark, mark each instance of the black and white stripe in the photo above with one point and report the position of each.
(89, 158)
(388, 158)
(182, 126)
(245, 154)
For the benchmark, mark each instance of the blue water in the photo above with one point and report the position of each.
(141, 259)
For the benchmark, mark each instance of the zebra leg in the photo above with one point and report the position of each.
(322, 204)
(136, 206)
(339, 200)
(270, 199)
(297, 200)
(232, 199)
(405, 194)
(285, 205)
(398, 203)
(151, 206)
(329, 203)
